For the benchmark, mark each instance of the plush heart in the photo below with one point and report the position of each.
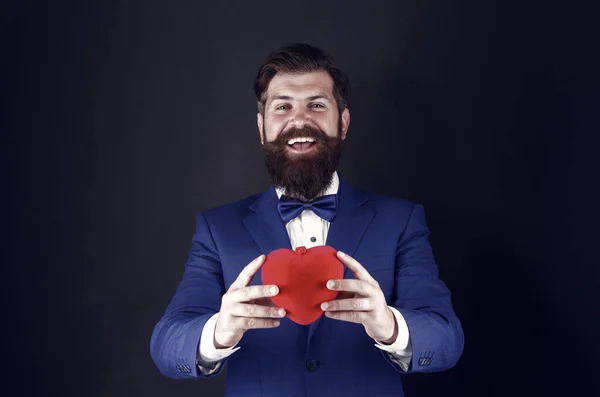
(301, 276)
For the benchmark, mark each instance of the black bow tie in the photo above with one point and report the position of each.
(325, 207)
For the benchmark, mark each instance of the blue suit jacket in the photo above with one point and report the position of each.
(388, 236)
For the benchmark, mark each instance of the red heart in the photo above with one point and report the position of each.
(302, 276)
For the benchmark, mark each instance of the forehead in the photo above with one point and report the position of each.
(318, 82)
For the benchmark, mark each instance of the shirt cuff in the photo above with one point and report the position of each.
(401, 345)
(208, 353)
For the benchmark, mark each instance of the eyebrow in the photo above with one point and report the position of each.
(310, 98)
(282, 97)
(318, 96)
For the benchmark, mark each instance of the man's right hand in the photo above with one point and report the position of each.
(245, 307)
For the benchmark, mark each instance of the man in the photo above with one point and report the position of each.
(393, 315)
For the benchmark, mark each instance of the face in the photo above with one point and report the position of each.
(297, 100)
(302, 132)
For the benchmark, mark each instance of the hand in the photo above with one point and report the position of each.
(245, 307)
(361, 301)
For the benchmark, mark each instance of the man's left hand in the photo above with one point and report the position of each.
(361, 301)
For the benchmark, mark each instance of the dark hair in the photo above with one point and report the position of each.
(301, 58)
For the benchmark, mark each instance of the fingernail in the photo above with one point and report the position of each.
(324, 306)
(273, 290)
(330, 284)
(340, 253)
(281, 312)
(277, 323)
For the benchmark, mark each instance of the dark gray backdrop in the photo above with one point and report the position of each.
(123, 120)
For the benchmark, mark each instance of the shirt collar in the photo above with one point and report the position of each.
(332, 189)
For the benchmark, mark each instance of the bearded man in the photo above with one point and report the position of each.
(392, 315)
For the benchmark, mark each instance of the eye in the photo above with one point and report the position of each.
(317, 106)
(282, 107)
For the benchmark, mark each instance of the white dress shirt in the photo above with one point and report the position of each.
(306, 230)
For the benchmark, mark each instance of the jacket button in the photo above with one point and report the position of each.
(313, 239)
(311, 365)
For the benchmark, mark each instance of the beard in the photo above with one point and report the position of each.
(303, 176)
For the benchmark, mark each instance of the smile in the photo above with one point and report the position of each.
(301, 145)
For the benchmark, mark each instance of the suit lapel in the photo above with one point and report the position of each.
(265, 225)
(353, 216)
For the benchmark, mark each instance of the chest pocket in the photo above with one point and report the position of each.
(382, 269)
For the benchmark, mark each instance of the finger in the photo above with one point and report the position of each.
(349, 316)
(358, 304)
(359, 271)
(264, 302)
(245, 276)
(361, 287)
(249, 310)
(252, 292)
(345, 295)
(245, 323)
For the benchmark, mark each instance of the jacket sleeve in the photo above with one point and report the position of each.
(175, 340)
(436, 335)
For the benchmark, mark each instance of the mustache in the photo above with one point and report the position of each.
(304, 132)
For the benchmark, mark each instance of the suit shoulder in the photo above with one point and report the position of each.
(393, 209)
(231, 209)
(389, 202)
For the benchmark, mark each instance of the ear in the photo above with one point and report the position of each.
(345, 122)
(260, 124)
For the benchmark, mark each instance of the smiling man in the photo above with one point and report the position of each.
(301, 129)
(392, 316)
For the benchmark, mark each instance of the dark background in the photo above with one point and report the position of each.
(123, 120)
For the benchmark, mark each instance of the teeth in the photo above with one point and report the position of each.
(295, 140)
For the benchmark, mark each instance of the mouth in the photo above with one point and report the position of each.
(301, 145)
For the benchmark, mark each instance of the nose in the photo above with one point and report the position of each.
(299, 118)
